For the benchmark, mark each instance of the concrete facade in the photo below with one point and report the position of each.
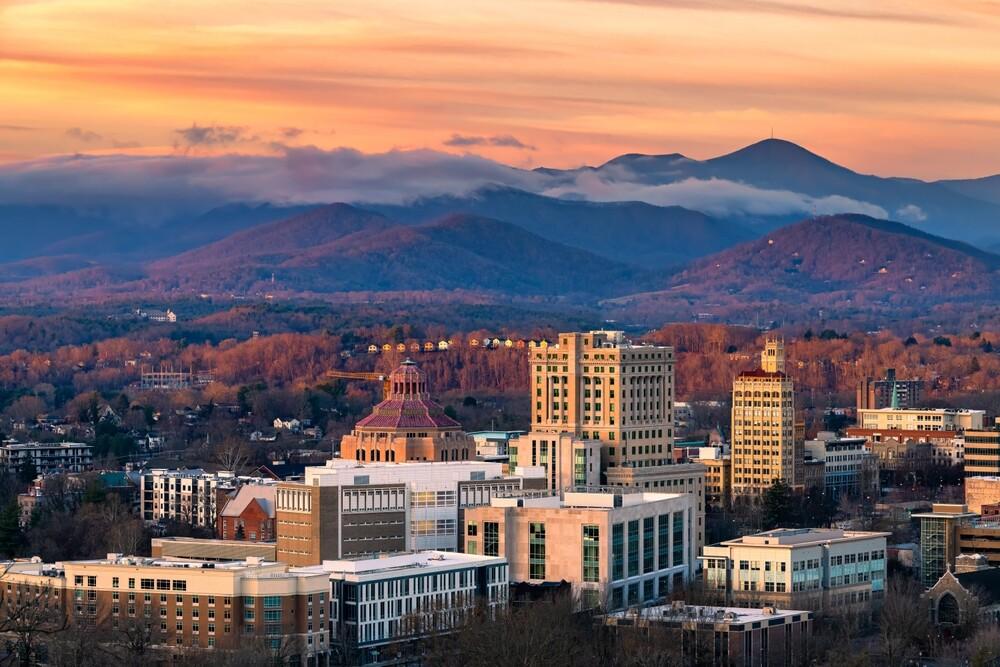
(614, 549)
(804, 568)
(345, 509)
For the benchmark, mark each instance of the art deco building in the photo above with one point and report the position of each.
(597, 385)
(408, 426)
(764, 424)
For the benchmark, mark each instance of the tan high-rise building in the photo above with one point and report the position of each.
(598, 385)
(763, 424)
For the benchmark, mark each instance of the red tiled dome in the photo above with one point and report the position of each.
(408, 405)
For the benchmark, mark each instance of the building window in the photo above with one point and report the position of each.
(633, 548)
(678, 538)
(618, 552)
(591, 553)
(663, 549)
(647, 545)
(491, 538)
(272, 602)
(536, 551)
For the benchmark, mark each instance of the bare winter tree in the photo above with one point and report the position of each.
(231, 455)
(29, 619)
(904, 622)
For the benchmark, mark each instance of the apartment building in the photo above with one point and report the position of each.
(801, 568)
(379, 606)
(848, 467)
(191, 496)
(890, 391)
(346, 509)
(763, 423)
(615, 549)
(920, 419)
(189, 604)
(408, 425)
(748, 637)
(569, 461)
(47, 457)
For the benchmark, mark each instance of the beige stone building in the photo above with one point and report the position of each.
(615, 549)
(981, 491)
(763, 425)
(801, 568)
(599, 386)
(921, 419)
(186, 604)
(718, 475)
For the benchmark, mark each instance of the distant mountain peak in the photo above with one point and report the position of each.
(645, 159)
(773, 151)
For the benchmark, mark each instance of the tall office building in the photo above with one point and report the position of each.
(598, 385)
(763, 424)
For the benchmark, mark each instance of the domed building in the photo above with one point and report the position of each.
(408, 426)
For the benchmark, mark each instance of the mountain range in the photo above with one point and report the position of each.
(769, 229)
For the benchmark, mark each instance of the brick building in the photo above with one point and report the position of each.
(249, 515)
(185, 604)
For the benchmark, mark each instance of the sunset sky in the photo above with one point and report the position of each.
(894, 88)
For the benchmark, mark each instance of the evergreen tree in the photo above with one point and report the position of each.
(11, 536)
(27, 472)
(779, 506)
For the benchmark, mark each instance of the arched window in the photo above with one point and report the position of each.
(948, 611)
(465, 454)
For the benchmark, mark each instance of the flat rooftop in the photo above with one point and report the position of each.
(938, 411)
(795, 537)
(738, 615)
(584, 500)
(45, 445)
(419, 560)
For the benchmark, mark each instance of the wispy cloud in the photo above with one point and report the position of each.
(713, 196)
(872, 12)
(16, 128)
(211, 136)
(158, 187)
(292, 132)
(502, 140)
(80, 134)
